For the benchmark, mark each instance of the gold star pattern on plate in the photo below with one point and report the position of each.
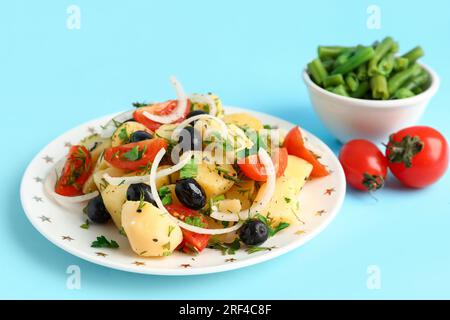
(185, 265)
(48, 159)
(67, 144)
(139, 263)
(230, 260)
(91, 130)
(38, 179)
(329, 191)
(320, 212)
(101, 254)
(68, 238)
(300, 232)
(45, 219)
(37, 199)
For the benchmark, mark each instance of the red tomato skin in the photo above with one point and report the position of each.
(429, 165)
(255, 170)
(190, 239)
(74, 189)
(163, 108)
(295, 146)
(153, 147)
(361, 156)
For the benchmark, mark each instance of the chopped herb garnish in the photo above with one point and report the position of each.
(123, 136)
(267, 126)
(133, 154)
(166, 195)
(171, 228)
(166, 246)
(141, 202)
(287, 199)
(267, 222)
(253, 249)
(190, 170)
(102, 242)
(85, 225)
(122, 231)
(139, 104)
(195, 221)
(226, 248)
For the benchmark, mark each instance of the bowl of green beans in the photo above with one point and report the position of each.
(369, 92)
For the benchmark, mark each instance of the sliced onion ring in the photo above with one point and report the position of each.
(49, 186)
(117, 181)
(207, 99)
(267, 196)
(180, 223)
(179, 110)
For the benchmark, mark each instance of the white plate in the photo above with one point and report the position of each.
(320, 199)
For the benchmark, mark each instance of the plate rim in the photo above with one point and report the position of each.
(199, 270)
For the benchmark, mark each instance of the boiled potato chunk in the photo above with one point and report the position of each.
(298, 168)
(284, 205)
(244, 192)
(229, 205)
(124, 131)
(243, 120)
(150, 231)
(213, 178)
(113, 196)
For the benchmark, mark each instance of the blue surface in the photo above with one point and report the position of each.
(251, 54)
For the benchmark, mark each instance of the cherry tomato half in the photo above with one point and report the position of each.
(295, 146)
(161, 109)
(255, 170)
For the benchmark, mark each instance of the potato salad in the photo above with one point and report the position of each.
(182, 175)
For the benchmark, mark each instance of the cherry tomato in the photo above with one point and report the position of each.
(295, 146)
(135, 156)
(255, 170)
(365, 166)
(192, 242)
(161, 109)
(76, 171)
(418, 156)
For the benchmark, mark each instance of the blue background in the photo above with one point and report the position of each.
(251, 54)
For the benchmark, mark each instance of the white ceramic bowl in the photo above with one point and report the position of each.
(350, 118)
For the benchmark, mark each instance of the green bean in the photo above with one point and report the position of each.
(379, 87)
(361, 56)
(421, 81)
(352, 81)
(381, 50)
(400, 78)
(403, 93)
(328, 64)
(340, 90)
(401, 64)
(362, 89)
(386, 65)
(414, 54)
(317, 71)
(333, 81)
(361, 72)
(395, 47)
(332, 52)
(343, 58)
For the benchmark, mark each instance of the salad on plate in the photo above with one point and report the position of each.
(183, 175)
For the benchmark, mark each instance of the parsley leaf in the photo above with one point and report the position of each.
(134, 154)
(85, 225)
(195, 221)
(226, 248)
(166, 195)
(190, 170)
(123, 135)
(102, 242)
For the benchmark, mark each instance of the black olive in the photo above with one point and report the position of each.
(254, 232)
(137, 190)
(190, 193)
(190, 139)
(195, 113)
(140, 135)
(96, 210)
